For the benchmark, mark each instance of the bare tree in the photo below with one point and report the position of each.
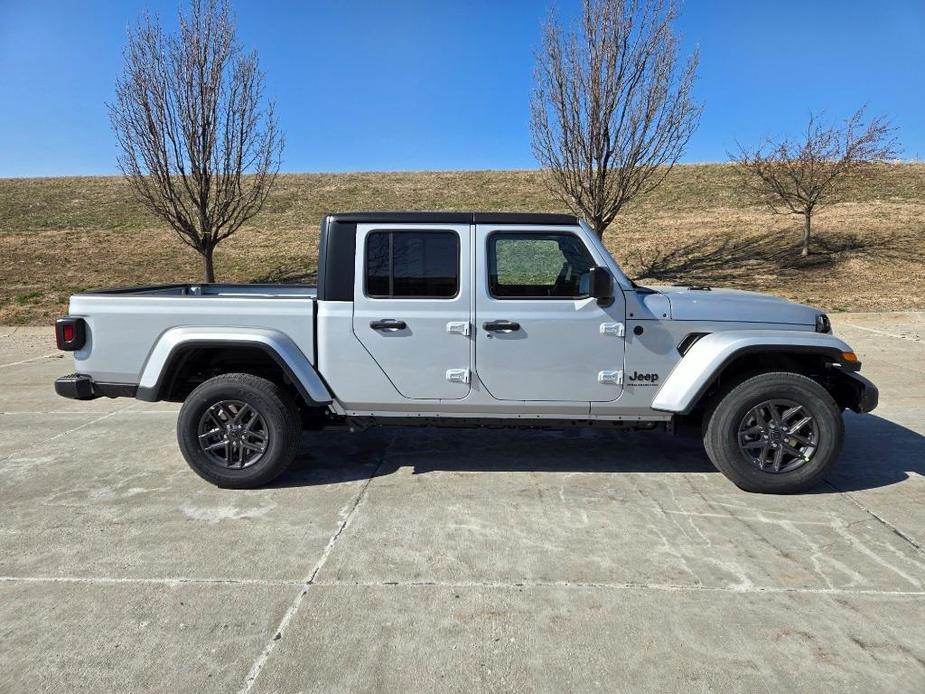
(612, 109)
(197, 145)
(799, 176)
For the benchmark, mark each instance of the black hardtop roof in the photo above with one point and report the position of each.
(389, 217)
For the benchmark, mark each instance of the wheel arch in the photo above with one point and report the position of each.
(268, 353)
(720, 357)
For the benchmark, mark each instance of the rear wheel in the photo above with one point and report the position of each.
(777, 433)
(239, 431)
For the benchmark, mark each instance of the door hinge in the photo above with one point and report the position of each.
(615, 329)
(457, 375)
(610, 377)
(458, 328)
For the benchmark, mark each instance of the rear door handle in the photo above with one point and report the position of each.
(388, 324)
(501, 326)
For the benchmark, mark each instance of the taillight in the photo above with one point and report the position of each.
(70, 333)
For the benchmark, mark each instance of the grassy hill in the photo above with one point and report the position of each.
(61, 235)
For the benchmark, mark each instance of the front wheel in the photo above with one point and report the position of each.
(775, 433)
(238, 431)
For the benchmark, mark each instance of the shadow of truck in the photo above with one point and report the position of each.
(877, 453)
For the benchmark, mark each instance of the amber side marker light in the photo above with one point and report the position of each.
(849, 356)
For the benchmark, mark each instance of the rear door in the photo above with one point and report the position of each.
(539, 336)
(412, 306)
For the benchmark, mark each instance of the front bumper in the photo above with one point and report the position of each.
(83, 387)
(864, 395)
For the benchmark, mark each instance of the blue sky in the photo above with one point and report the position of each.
(417, 84)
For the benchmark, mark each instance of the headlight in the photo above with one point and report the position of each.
(823, 325)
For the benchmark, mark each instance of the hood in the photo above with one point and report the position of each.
(733, 305)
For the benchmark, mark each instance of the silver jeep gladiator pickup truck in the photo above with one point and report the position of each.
(470, 319)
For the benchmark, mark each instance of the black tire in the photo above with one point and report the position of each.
(279, 426)
(728, 417)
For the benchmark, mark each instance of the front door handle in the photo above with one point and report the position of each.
(389, 324)
(501, 326)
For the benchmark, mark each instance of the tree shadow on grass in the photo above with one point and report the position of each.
(288, 273)
(735, 258)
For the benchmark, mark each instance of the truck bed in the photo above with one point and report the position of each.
(124, 324)
(263, 291)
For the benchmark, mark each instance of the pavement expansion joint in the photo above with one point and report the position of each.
(161, 581)
(665, 587)
(908, 338)
(347, 514)
(66, 433)
(899, 533)
(170, 581)
(31, 359)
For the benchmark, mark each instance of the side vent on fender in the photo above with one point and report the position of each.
(689, 341)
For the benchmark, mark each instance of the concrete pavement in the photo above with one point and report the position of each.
(455, 560)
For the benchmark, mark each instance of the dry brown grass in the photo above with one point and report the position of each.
(62, 235)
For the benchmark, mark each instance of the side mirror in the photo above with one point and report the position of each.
(601, 282)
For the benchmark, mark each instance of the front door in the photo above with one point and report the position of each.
(412, 306)
(539, 336)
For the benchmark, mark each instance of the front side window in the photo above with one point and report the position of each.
(421, 264)
(538, 266)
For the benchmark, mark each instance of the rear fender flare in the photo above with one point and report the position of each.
(278, 346)
(707, 358)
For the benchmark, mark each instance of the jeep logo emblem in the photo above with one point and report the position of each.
(647, 378)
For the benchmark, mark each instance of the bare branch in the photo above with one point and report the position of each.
(798, 177)
(612, 109)
(196, 143)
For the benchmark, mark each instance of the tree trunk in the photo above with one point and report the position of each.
(807, 227)
(598, 227)
(208, 270)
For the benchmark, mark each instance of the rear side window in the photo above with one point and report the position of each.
(538, 266)
(419, 264)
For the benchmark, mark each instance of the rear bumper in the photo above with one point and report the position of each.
(83, 387)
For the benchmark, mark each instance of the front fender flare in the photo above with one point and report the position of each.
(710, 354)
(279, 346)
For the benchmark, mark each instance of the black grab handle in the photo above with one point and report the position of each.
(501, 326)
(388, 324)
